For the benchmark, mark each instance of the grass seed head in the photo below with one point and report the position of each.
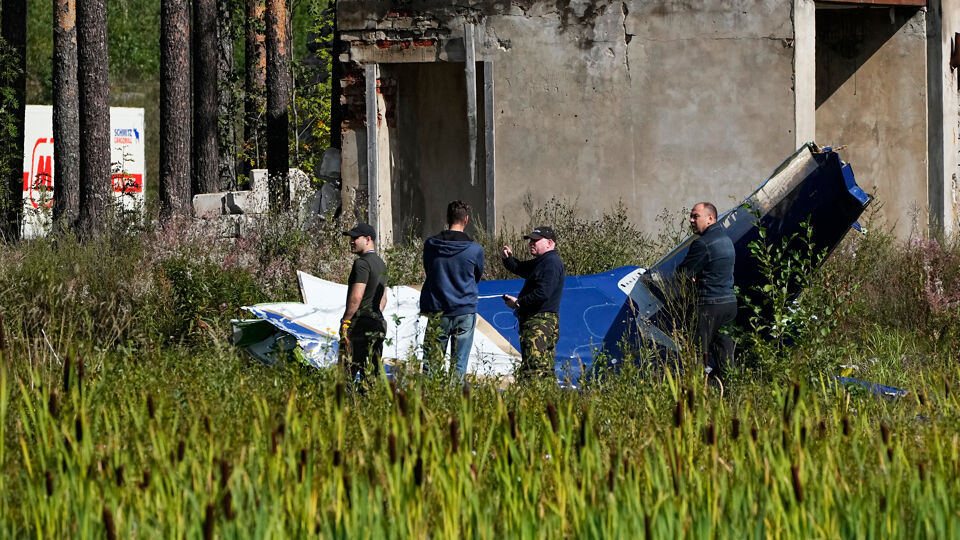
(922, 470)
(118, 474)
(735, 428)
(454, 434)
(346, 487)
(181, 450)
(418, 472)
(78, 429)
(402, 402)
(53, 404)
(803, 435)
(225, 471)
(753, 433)
(151, 407)
(81, 372)
(465, 391)
(846, 426)
(678, 414)
(552, 415)
(338, 394)
(49, 483)
(337, 458)
(227, 505)
(689, 392)
(883, 503)
(208, 522)
(885, 433)
(710, 435)
(392, 447)
(67, 369)
(145, 482)
(797, 486)
(108, 524)
(512, 420)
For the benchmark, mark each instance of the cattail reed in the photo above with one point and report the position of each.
(796, 393)
(145, 481)
(151, 407)
(465, 391)
(53, 404)
(181, 450)
(582, 441)
(337, 458)
(207, 428)
(118, 474)
(611, 476)
(208, 521)
(78, 429)
(454, 434)
(225, 471)
(473, 471)
(922, 470)
(67, 369)
(787, 410)
(227, 505)
(81, 373)
(735, 428)
(3, 338)
(338, 395)
(346, 487)
(49, 481)
(821, 429)
(885, 434)
(402, 402)
(946, 387)
(392, 447)
(301, 464)
(108, 525)
(922, 398)
(689, 392)
(512, 420)
(678, 414)
(274, 441)
(753, 433)
(883, 503)
(846, 426)
(418, 472)
(646, 527)
(890, 453)
(709, 435)
(552, 415)
(797, 486)
(803, 434)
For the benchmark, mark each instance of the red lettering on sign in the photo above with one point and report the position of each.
(127, 183)
(38, 182)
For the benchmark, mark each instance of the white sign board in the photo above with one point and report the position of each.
(127, 158)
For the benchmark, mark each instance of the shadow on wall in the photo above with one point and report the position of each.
(848, 37)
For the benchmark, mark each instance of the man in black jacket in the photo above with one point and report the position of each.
(709, 262)
(538, 304)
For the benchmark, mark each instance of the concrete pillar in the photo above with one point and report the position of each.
(804, 71)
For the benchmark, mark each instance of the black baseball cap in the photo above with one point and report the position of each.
(541, 232)
(362, 229)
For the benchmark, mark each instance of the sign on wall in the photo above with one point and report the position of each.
(39, 168)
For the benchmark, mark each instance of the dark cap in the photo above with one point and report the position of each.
(362, 229)
(541, 232)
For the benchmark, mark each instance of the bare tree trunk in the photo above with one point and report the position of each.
(205, 178)
(175, 197)
(254, 83)
(94, 85)
(278, 102)
(66, 116)
(226, 138)
(13, 27)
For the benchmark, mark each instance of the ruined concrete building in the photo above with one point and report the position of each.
(655, 103)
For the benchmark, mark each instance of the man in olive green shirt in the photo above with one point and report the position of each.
(363, 328)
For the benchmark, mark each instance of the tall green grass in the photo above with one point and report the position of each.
(124, 411)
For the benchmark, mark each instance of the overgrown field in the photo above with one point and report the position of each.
(125, 412)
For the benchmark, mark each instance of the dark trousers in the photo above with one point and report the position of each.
(366, 336)
(538, 346)
(714, 347)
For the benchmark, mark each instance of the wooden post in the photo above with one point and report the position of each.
(471, 74)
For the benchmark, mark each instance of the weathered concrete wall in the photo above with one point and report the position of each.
(659, 103)
(943, 20)
(871, 97)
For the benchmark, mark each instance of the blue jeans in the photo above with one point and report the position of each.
(455, 330)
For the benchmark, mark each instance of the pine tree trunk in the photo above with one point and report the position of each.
(13, 27)
(96, 186)
(254, 85)
(66, 116)
(226, 138)
(278, 102)
(205, 177)
(175, 199)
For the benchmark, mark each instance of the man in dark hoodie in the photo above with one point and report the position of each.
(453, 263)
(709, 262)
(538, 304)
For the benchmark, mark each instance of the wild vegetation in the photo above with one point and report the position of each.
(125, 411)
